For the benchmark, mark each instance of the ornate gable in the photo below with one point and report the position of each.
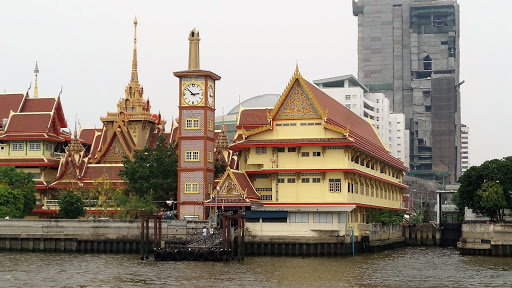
(119, 144)
(229, 187)
(297, 105)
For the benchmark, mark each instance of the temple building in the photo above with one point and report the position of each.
(317, 167)
(96, 153)
(32, 138)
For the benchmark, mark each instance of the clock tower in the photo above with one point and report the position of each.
(196, 134)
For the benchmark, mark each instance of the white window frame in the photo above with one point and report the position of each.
(317, 154)
(210, 156)
(335, 185)
(210, 125)
(34, 145)
(322, 217)
(298, 217)
(261, 150)
(17, 145)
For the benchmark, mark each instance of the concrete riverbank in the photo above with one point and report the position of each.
(493, 239)
(92, 236)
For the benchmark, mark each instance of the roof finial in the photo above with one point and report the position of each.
(193, 50)
(135, 75)
(36, 71)
(297, 67)
(76, 121)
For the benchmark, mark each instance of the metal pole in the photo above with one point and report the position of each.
(141, 246)
(353, 248)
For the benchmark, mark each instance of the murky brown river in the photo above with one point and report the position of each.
(406, 267)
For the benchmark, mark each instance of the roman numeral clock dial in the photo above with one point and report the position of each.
(193, 94)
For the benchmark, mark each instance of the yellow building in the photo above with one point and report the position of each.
(319, 168)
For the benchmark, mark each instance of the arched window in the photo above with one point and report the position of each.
(427, 63)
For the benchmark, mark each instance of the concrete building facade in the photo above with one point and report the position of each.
(409, 51)
(464, 141)
(371, 106)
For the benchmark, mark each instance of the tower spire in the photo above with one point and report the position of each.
(193, 51)
(135, 74)
(36, 71)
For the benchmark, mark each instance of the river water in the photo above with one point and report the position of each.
(404, 267)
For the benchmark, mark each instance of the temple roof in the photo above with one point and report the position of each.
(10, 102)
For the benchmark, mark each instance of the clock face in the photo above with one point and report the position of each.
(193, 94)
(210, 96)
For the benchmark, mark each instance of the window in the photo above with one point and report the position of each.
(290, 180)
(305, 180)
(316, 154)
(298, 217)
(342, 218)
(49, 146)
(292, 149)
(17, 146)
(280, 180)
(261, 150)
(263, 189)
(377, 112)
(191, 187)
(316, 180)
(305, 154)
(348, 106)
(266, 197)
(192, 123)
(322, 217)
(191, 155)
(34, 146)
(347, 97)
(210, 125)
(210, 156)
(334, 185)
(281, 149)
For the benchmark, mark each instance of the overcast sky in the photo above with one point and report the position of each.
(86, 47)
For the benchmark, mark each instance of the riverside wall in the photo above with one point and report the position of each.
(492, 239)
(92, 236)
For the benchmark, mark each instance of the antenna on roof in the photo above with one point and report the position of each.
(29, 87)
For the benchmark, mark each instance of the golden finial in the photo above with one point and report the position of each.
(135, 75)
(36, 71)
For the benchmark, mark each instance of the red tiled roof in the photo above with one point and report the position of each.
(95, 171)
(29, 162)
(87, 135)
(8, 103)
(245, 184)
(359, 128)
(253, 117)
(29, 123)
(293, 142)
(38, 105)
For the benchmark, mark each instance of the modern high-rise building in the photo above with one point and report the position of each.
(374, 107)
(409, 50)
(464, 141)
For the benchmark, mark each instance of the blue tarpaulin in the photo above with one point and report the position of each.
(266, 214)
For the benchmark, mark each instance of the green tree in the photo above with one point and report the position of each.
(11, 202)
(17, 179)
(472, 181)
(220, 168)
(71, 205)
(137, 205)
(493, 200)
(386, 216)
(153, 171)
(106, 195)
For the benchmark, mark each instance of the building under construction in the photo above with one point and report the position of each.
(409, 50)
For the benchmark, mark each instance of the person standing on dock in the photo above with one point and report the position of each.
(204, 235)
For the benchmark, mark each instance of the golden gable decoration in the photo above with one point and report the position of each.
(297, 105)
